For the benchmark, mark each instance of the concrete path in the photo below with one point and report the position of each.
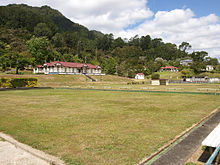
(14, 153)
(10, 154)
(181, 152)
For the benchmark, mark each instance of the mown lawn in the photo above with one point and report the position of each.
(99, 127)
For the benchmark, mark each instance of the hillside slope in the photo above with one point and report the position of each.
(27, 17)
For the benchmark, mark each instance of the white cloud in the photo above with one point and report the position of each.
(113, 16)
(108, 16)
(180, 25)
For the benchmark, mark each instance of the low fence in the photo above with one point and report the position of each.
(188, 82)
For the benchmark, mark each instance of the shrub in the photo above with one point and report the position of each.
(5, 83)
(31, 82)
(155, 76)
(18, 82)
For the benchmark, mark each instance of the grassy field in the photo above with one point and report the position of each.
(99, 127)
(70, 80)
(115, 82)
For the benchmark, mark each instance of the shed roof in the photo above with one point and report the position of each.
(213, 139)
(169, 67)
(140, 74)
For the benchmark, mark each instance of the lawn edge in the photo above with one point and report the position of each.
(178, 137)
(40, 154)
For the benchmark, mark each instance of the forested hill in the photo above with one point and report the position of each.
(27, 17)
(34, 35)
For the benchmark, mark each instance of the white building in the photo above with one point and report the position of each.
(202, 79)
(186, 62)
(58, 67)
(209, 68)
(169, 68)
(159, 82)
(139, 76)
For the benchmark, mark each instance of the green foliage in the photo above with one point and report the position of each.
(155, 76)
(204, 148)
(5, 83)
(110, 66)
(197, 66)
(18, 82)
(38, 49)
(187, 73)
(184, 46)
(42, 30)
(31, 82)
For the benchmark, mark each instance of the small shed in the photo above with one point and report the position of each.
(139, 76)
(159, 82)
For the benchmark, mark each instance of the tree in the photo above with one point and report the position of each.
(199, 56)
(184, 46)
(58, 40)
(145, 42)
(105, 42)
(68, 58)
(118, 43)
(110, 66)
(155, 76)
(71, 39)
(4, 48)
(20, 61)
(42, 30)
(211, 61)
(38, 49)
(187, 73)
(134, 41)
(156, 42)
(77, 59)
(197, 66)
(4, 62)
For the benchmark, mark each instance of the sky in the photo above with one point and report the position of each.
(175, 21)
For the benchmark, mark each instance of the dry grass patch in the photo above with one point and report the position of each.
(95, 127)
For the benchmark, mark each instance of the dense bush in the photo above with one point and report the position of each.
(155, 76)
(5, 83)
(18, 82)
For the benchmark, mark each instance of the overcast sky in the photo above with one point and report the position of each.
(193, 21)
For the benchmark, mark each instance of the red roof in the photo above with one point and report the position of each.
(169, 67)
(39, 66)
(72, 64)
(140, 73)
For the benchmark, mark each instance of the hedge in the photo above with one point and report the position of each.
(18, 82)
(155, 76)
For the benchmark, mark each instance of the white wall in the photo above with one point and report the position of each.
(155, 82)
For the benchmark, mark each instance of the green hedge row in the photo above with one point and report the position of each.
(18, 82)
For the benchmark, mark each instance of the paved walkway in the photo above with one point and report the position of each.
(181, 152)
(10, 154)
(14, 153)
